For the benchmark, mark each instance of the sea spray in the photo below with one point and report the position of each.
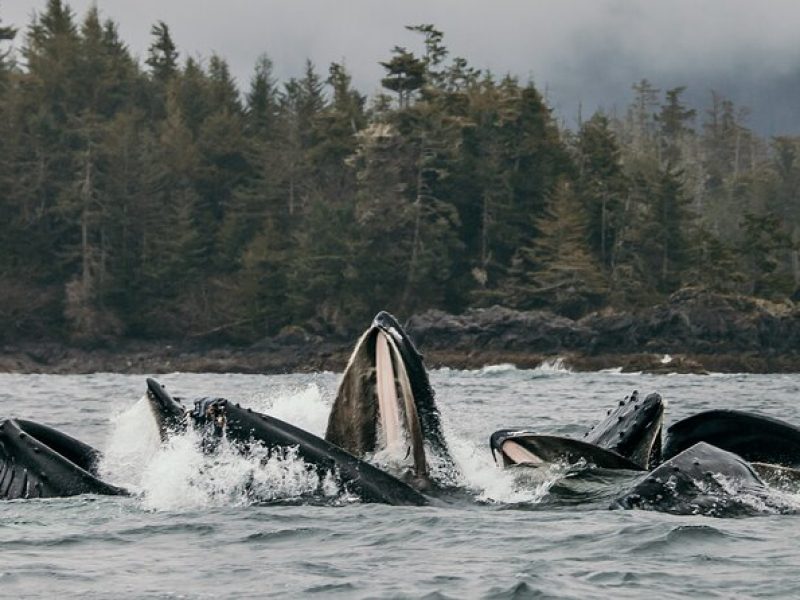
(131, 445)
(302, 406)
(178, 475)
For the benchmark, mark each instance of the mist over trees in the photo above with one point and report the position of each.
(157, 200)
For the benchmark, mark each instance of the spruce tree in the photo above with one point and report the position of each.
(602, 187)
(162, 55)
(557, 269)
(7, 34)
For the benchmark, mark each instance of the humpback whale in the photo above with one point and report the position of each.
(38, 461)
(385, 407)
(702, 479)
(628, 438)
(754, 437)
(217, 417)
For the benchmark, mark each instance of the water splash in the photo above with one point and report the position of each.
(182, 477)
(554, 365)
(495, 369)
(493, 484)
(303, 406)
(132, 444)
(178, 475)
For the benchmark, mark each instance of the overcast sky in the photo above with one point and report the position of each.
(578, 51)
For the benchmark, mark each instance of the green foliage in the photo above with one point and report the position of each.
(602, 186)
(405, 73)
(6, 34)
(557, 269)
(765, 244)
(155, 200)
(162, 55)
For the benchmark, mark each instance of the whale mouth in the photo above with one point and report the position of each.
(400, 432)
(38, 461)
(376, 413)
(169, 413)
(526, 448)
(628, 438)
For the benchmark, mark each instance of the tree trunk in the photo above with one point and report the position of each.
(412, 263)
(86, 199)
(603, 227)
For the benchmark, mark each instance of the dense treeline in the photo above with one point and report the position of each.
(155, 200)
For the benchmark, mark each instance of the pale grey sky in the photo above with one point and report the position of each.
(587, 51)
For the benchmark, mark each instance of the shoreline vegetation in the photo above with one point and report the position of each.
(694, 332)
(259, 229)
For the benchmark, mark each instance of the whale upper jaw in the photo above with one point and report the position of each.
(169, 413)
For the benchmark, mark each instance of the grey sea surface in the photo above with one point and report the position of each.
(192, 531)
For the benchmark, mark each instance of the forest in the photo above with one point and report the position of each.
(160, 201)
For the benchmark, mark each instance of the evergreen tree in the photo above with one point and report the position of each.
(673, 121)
(764, 248)
(557, 269)
(7, 34)
(155, 200)
(663, 237)
(405, 73)
(262, 99)
(162, 55)
(601, 186)
(641, 122)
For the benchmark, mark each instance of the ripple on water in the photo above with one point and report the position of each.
(685, 539)
(215, 546)
(281, 535)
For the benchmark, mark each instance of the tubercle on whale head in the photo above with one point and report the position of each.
(633, 429)
(209, 415)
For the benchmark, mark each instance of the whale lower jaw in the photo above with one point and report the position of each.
(38, 461)
(511, 447)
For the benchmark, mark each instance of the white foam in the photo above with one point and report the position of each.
(492, 483)
(182, 476)
(501, 368)
(178, 475)
(555, 365)
(304, 407)
(132, 444)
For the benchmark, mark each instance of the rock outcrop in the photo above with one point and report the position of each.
(693, 332)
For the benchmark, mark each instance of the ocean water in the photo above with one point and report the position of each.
(192, 531)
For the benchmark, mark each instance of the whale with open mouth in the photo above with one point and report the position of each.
(217, 418)
(385, 409)
(628, 438)
(38, 461)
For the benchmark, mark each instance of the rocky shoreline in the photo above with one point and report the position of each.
(693, 332)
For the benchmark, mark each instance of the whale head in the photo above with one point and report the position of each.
(385, 407)
(632, 429)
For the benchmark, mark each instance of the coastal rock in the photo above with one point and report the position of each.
(498, 328)
(692, 321)
(694, 331)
